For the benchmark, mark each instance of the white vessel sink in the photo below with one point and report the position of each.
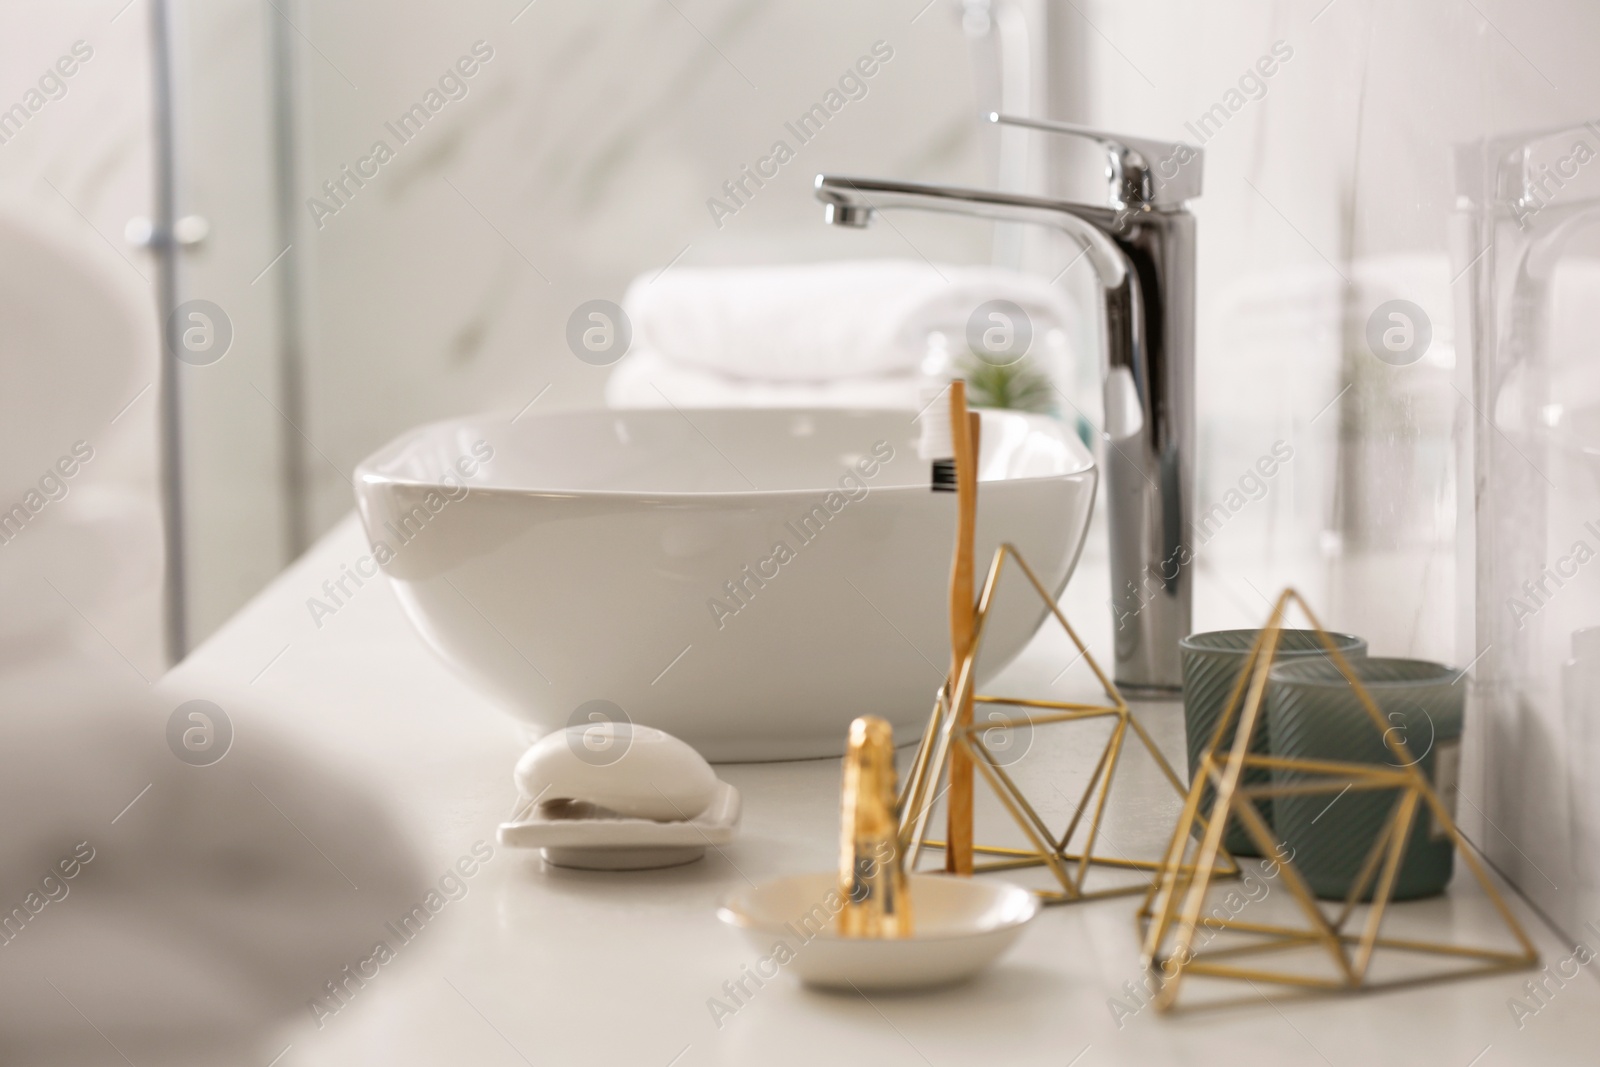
(595, 556)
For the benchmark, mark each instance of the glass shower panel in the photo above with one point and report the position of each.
(1526, 245)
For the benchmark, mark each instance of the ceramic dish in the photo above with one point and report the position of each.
(745, 580)
(567, 838)
(962, 926)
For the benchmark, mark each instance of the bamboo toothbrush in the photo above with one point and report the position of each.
(955, 469)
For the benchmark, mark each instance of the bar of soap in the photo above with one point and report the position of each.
(638, 772)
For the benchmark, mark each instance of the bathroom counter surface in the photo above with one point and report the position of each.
(539, 965)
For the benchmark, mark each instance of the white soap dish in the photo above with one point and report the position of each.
(572, 836)
(960, 927)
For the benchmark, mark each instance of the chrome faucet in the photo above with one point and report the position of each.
(1141, 246)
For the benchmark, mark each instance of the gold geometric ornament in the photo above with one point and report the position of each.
(1173, 916)
(1070, 866)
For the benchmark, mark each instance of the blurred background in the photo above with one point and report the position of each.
(1394, 153)
(583, 154)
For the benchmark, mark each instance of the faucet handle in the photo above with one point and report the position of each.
(1144, 173)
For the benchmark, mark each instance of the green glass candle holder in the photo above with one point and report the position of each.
(1211, 665)
(1313, 713)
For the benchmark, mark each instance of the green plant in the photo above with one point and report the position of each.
(1019, 386)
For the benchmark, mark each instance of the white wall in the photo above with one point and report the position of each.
(583, 155)
(85, 573)
(1332, 193)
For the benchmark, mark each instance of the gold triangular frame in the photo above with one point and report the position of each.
(1161, 914)
(920, 793)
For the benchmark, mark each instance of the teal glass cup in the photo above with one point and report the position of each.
(1314, 713)
(1211, 665)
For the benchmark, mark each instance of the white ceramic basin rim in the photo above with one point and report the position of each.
(747, 580)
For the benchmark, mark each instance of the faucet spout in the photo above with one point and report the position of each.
(850, 215)
(853, 201)
(1142, 253)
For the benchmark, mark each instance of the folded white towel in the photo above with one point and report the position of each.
(648, 380)
(822, 322)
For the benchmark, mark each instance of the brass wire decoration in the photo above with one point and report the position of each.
(1172, 912)
(944, 735)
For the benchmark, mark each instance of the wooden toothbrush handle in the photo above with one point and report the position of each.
(964, 432)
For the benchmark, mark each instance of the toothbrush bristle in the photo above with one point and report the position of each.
(935, 441)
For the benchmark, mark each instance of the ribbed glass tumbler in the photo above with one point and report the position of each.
(1314, 713)
(1211, 665)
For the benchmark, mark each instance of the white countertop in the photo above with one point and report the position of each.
(541, 965)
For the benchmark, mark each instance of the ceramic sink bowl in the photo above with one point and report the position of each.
(747, 580)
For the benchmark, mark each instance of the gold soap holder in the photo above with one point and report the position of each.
(1173, 914)
(1070, 865)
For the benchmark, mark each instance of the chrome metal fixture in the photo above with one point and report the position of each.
(1142, 247)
